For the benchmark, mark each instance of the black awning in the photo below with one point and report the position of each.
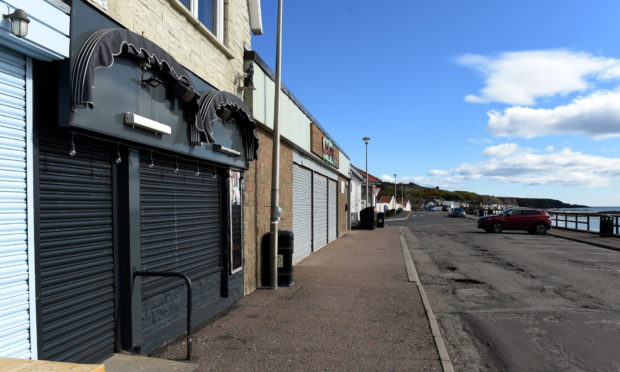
(103, 45)
(209, 104)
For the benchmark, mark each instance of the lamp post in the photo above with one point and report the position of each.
(275, 161)
(366, 139)
(395, 198)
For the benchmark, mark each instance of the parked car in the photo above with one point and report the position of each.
(431, 209)
(444, 208)
(534, 221)
(456, 212)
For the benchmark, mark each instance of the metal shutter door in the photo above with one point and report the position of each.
(180, 230)
(14, 288)
(77, 303)
(319, 212)
(302, 212)
(332, 210)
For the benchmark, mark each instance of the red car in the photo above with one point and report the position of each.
(534, 221)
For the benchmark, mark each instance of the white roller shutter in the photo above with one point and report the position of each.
(302, 212)
(14, 265)
(319, 212)
(332, 210)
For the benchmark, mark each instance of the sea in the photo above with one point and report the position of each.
(581, 222)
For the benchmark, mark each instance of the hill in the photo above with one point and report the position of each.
(414, 192)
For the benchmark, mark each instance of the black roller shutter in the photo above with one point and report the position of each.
(180, 231)
(76, 250)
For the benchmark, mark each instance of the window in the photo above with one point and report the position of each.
(210, 13)
(236, 222)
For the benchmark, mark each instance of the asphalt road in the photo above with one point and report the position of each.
(515, 301)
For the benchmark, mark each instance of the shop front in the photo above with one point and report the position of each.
(142, 177)
(44, 37)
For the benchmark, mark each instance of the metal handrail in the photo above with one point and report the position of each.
(559, 217)
(188, 283)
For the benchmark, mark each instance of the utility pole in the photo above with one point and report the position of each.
(275, 161)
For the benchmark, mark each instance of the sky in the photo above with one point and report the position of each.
(504, 98)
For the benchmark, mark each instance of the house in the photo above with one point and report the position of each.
(405, 205)
(386, 203)
(374, 187)
(357, 180)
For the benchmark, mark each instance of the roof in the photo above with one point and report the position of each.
(371, 178)
(386, 199)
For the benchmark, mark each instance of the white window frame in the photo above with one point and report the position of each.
(219, 17)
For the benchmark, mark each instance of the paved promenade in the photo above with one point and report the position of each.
(352, 309)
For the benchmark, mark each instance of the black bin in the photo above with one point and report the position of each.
(380, 219)
(368, 218)
(286, 244)
(607, 226)
(480, 212)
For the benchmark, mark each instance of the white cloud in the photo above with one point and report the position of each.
(520, 78)
(437, 172)
(596, 116)
(500, 151)
(386, 178)
(478, 141)
(565, 168)
(549, 148)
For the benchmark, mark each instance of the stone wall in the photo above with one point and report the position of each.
(257, 197)
(168, 24)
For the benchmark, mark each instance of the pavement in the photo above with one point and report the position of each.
(352, 308)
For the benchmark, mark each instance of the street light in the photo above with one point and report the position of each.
(275, 160)
(395, 198)
(366, 139)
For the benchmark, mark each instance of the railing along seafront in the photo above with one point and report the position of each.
(583, 221)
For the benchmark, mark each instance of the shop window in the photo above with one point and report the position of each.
(236, 222)
(210, 13)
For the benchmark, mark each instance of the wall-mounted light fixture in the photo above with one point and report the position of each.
(145, 123)
(226, 150)
(19, 22)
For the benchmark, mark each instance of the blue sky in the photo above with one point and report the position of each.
(507, 98)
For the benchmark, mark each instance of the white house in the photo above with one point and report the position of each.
(356, 196)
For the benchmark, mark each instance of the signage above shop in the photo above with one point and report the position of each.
(328, 151)
(125, 86)
(323, 147)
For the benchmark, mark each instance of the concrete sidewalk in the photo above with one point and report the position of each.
(352, 309)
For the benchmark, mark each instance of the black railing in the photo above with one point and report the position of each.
(589, 222)
(188, 284)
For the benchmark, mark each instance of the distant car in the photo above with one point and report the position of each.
(457, 212)
(444, 208)
(431, 209)
(534, 221)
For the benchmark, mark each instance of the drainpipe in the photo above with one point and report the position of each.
(275, 161)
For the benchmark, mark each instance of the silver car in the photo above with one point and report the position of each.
(456, 212)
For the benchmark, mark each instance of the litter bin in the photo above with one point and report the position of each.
(607, 226)
(368, 218)
(286, 245)
(480, 212)
(380, 219)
